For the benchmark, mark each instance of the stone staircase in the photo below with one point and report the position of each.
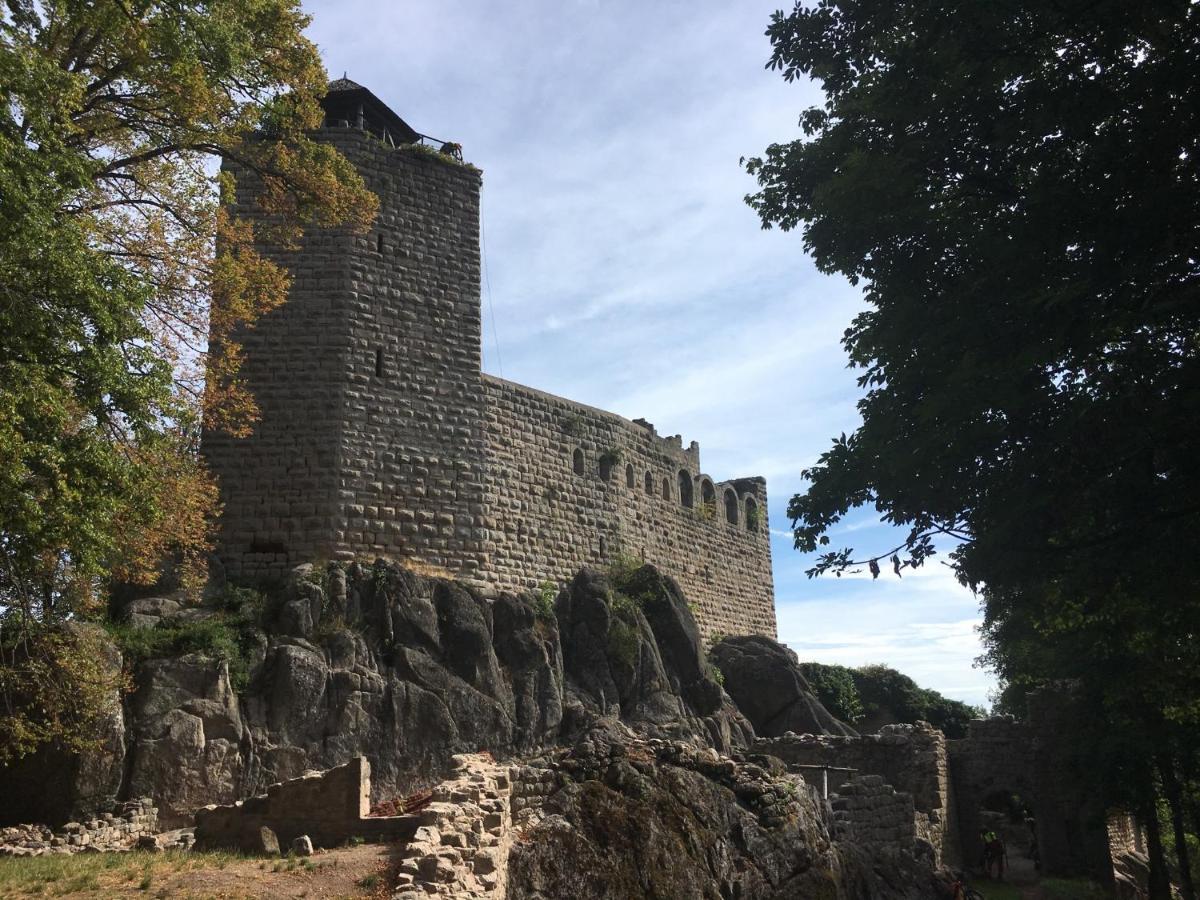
(461, 848)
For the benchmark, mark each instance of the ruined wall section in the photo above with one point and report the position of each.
(572, 486)
(411, 443)
(911, 758)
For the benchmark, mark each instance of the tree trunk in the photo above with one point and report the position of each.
(1160, 880)
(1175, 801)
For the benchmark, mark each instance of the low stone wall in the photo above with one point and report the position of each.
(873, 814)
(461, 848)
(330, 807)
(910, 758)
(118, 829)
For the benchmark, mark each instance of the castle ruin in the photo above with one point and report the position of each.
(380, 436)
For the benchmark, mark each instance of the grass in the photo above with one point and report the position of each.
(1051, 889)
(114, 874)
(1072, 889)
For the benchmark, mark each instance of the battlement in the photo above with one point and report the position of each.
(381, 436)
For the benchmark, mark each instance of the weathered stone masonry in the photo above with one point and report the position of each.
(380, 436)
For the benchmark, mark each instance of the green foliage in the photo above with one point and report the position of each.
(543, 600)
(117, 319)
(623, 641)
(57, 684)
(621, 570)
(572, 425)
(884, 691)
(230, 636)
(835, 688)
(1015, 192)
(433, 153)
(753, 518)
(715, 673)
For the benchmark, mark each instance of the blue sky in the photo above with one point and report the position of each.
(625, 271)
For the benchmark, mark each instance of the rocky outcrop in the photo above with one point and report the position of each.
(764, 679)
(404, 669)
(625, 817)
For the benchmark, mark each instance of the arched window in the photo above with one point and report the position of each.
(649, 485)
(685, 488)
(751, 514)
(606, 466)
(577, 461)
(730, 506)
(666, 488)
(708, 494)
(630, 478)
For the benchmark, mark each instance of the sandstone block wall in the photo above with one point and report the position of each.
(330, 807)
(411, 478)
(461, 849)
(869, 812)
(279, 487)
(570, 485)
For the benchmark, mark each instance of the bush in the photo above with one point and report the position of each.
(884, 689)
(835, 688)
(623, 642)
(543, 601)
(229, 635)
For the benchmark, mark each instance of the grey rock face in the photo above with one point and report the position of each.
(763, 677)
(408, 671)
(631, 818)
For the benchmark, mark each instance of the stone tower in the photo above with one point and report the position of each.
(368, 379)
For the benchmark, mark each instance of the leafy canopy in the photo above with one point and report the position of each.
(123, 280)
(1015, 188)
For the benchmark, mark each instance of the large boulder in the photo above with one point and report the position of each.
(764, 679)
(635, 818)
(190, 745)
(634, 651)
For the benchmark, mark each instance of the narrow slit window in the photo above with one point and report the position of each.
(378, 362)
(379, 243)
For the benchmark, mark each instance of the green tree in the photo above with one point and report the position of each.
(1015, 187)
(835, 688)
(123, 278)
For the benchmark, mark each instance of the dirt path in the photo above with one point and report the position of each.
(351, 872)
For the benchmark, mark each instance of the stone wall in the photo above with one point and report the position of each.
(370, 438)
(1002, 756)
(871, 813)
(572, 486)
(911, 758)
(117, 829)
(330, 807)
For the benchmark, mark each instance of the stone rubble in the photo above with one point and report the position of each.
(119, 829)
(461, 849)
